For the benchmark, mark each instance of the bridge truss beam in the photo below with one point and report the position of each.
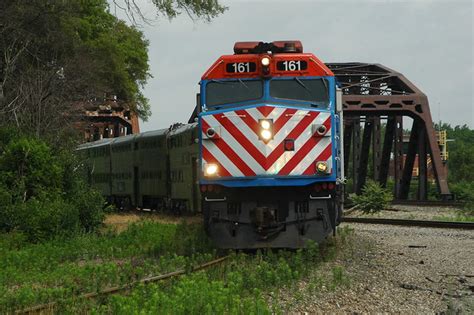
(373, 93)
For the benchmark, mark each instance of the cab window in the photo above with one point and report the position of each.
(314, 91)
(228, 92)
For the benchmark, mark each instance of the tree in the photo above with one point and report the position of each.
(195, 9)
(461, 152)
(55, 54)
(42, 194)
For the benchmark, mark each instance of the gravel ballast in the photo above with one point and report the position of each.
(391, 269)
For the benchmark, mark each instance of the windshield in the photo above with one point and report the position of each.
(311, 90)
(225, 92)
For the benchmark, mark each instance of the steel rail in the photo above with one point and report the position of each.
(427, 203)
(128, 286)
(422, 203)
(420, 223)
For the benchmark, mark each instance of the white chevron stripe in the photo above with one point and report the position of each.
(329, 162)
(223, 159)
(274, 114)
(299, 142)
(287, 128)
(310, 157)
(266, 149)
(242, 126)
(237, 147)
(315, 151)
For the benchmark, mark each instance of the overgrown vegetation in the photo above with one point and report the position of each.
(373, 198)
(56, 56)
(461, 166)
(65, 267)
(62, 269)
(42, 194)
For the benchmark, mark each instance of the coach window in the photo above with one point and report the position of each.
(314, 91)
(227, 92)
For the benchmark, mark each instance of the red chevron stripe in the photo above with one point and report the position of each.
(277, 125)
(324, 156)
(230, 153)
(206, 155)
(302, 152)
(244, 141)
(283, 119)
(265, 110)
(299, 128)
(249, 120)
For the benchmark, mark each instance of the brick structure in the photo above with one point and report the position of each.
(107, 119)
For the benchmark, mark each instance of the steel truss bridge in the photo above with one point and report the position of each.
(372, 94)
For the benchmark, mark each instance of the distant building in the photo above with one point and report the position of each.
(108, 118)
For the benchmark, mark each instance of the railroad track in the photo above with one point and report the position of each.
(428, 203)
(39, 309)
(422, 203)
(420, 223)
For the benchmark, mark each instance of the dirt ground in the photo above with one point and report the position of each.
(120, 221)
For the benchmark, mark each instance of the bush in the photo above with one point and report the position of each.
(373, 198)
(42, 194)
(463, 190)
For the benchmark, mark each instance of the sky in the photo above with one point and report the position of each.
(430, 42)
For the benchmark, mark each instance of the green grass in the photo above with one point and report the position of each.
(459, 215)
(63, 269)
(236, 287)
(457, 218)
(240, 286)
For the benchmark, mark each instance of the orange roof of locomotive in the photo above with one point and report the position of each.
(244, 53)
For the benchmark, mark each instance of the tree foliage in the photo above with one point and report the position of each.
(55, 54)
(41, 191)
(461, 162)
(461, 153)
(195, 9)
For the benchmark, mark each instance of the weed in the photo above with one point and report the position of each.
(338, 276)
(374, 197)
(62, 269)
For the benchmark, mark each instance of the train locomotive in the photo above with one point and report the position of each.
(262, 159)
(270, 120)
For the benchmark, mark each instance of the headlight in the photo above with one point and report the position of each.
(321, 130)
(265, 61)
(265, 124)
(211, 133)
(322, 167)
(266, 134)
(211, 169)
(266, 131)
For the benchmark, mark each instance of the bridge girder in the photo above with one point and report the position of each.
(372, 92)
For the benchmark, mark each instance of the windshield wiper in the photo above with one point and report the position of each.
(242, 82)
(302, 84)
(325, 84)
